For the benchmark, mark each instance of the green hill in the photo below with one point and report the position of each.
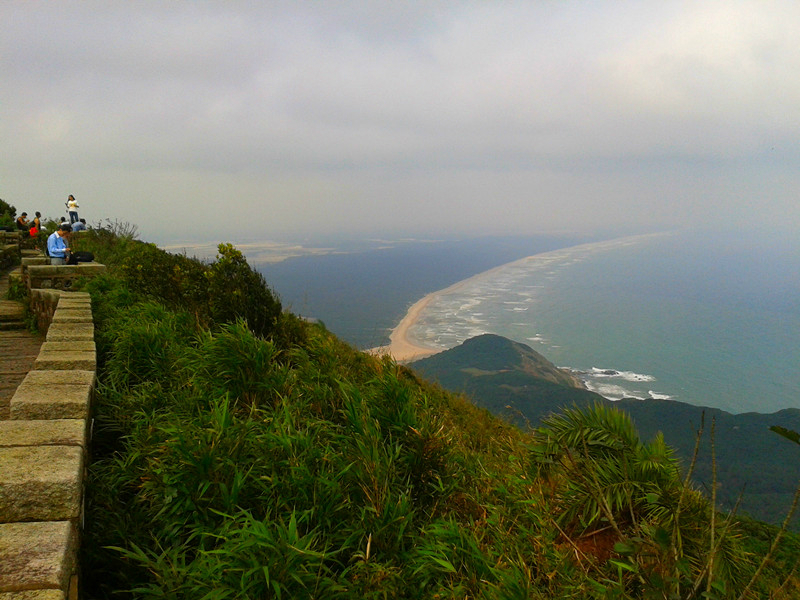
(240, 452)
(520, 386)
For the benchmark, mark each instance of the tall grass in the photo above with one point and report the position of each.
(232, 461)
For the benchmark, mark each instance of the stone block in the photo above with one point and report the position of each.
(70, 331)
(55, 402)
(66, 395)
(64, 316)
(40, 483)
(64, 346)
(57, 432)
(74, 302)
(37, 556)
(34, 260)
(33, 595)
(66, 360)
(69, 307)
(48, 378)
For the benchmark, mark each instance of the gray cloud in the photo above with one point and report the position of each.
(237, 119)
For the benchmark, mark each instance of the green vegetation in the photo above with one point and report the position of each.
(7, 215)
(522, 388)
(240, 452)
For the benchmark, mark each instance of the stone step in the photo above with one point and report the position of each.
(12, 325)
(37, 556)
(11, 311)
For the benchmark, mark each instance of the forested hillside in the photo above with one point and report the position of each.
(240, 452)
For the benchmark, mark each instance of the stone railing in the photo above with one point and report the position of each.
(43, 456)
(61, 277)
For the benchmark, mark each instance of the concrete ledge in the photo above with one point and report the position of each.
(40, 483)
(37, 556)
(70, 331)
(62, 361)
(57, 432)
(27, 261)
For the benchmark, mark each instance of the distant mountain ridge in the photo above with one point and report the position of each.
(514, 381)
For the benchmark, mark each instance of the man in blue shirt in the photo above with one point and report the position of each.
(57, 248)
(80, 225)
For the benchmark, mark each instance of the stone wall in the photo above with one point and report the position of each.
(9, 249)
(43, 304)
(43, 456)
(61, 277)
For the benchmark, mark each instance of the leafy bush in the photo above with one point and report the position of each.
(237, 291)
(7, 210)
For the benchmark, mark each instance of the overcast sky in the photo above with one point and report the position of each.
(281, 120)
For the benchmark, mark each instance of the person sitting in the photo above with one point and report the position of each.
(80, 225)
(22, 222)
(57, 247)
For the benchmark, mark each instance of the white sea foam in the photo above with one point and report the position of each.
(612, 391)
(624, 375)
(656, 396)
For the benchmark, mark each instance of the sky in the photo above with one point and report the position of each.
(308, 120)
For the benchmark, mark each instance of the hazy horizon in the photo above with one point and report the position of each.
(299, 121)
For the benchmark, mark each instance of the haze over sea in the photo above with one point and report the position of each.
(705, 318)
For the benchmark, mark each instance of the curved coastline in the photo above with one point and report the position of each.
(404, 347)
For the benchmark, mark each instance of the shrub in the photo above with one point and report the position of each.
(237, 291)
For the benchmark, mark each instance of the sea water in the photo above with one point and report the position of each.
(707, 319)
(710, 319)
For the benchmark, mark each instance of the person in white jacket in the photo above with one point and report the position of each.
(72, 209)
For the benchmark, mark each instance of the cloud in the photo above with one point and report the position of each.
(302, 118)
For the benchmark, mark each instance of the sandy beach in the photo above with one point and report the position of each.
(402, 345)
(404, 348)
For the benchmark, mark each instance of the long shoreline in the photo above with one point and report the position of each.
(403, 347)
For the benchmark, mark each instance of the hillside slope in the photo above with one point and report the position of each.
(520, 385)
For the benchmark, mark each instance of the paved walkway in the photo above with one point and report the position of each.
(18, 347)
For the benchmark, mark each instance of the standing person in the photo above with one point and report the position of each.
(72, 209)
(37, 221)
(57, 247)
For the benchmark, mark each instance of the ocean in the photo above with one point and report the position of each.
(710, 319)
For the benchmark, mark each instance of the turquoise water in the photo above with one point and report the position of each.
(706, 319)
